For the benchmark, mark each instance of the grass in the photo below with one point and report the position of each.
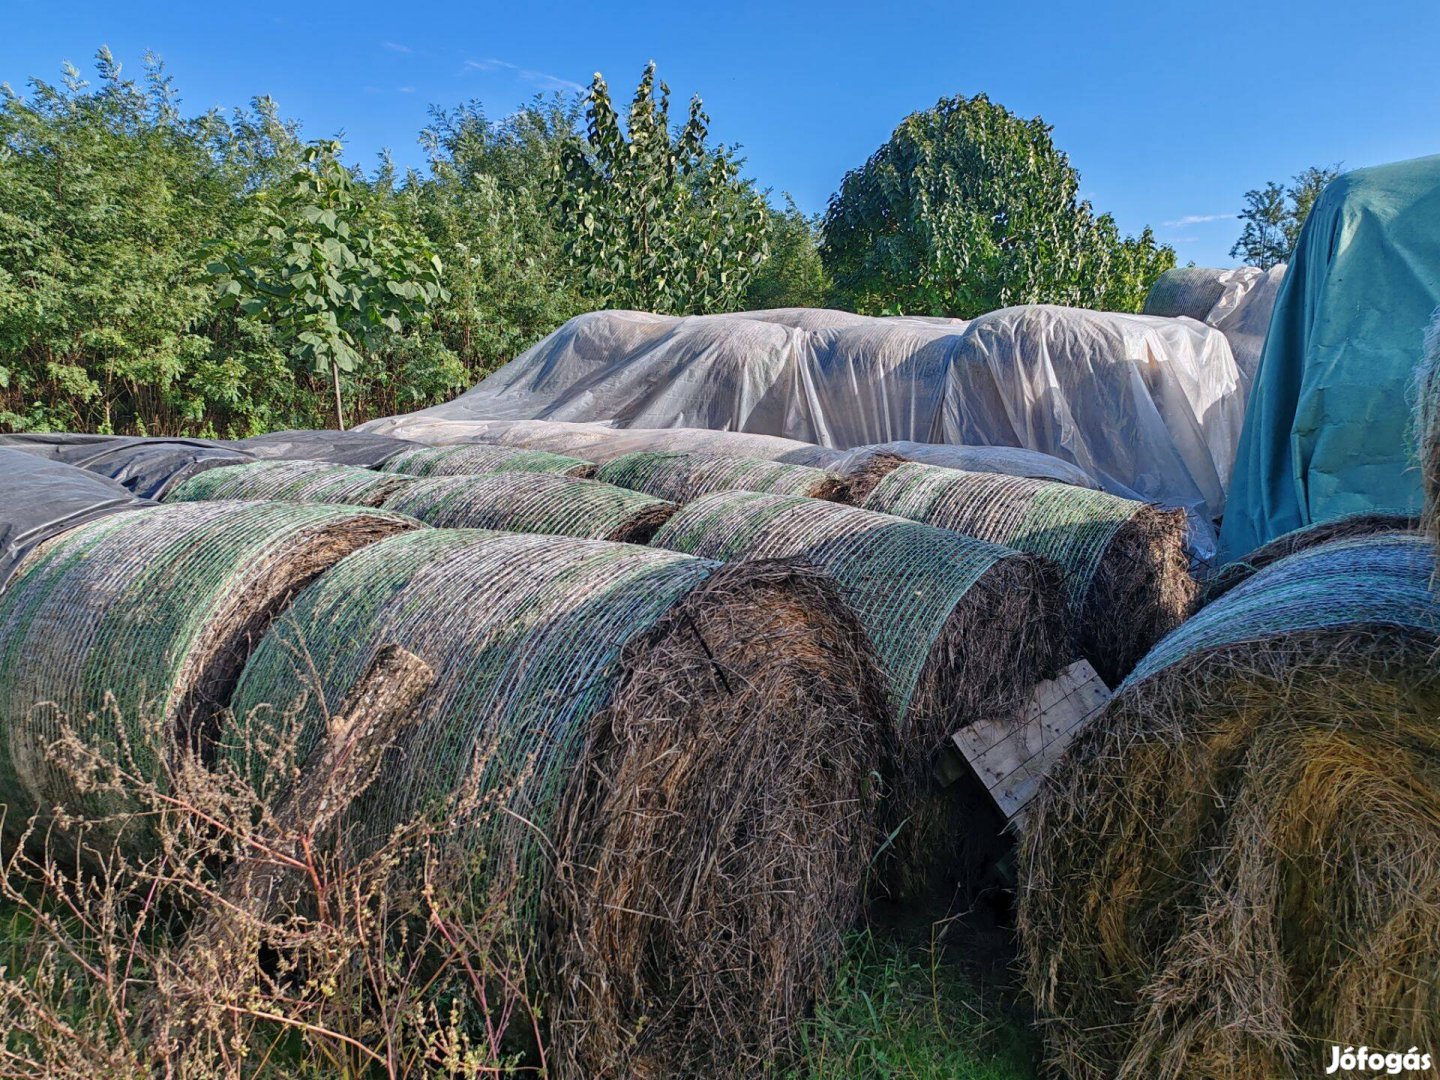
(905, 1007)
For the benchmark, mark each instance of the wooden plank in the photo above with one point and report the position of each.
(1012, 757)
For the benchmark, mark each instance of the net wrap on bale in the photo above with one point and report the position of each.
(535, 503)
(681, 477)
(483, 458)
(1238, 865)
(291, 481)
(671, 759)
(146, 618)
(1427, 386)
(1124, 561)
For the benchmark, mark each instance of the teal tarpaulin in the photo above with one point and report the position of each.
(1328, 430)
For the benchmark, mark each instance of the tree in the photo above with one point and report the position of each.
(1275, 214)
(328, 267)
(968, 208)
(655, 219)
(792, 275)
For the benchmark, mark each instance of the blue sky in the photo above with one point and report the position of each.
(1169, 110)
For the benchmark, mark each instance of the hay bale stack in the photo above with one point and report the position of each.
(146, 618)
(683, 476)
(1342, 528)
(671, 759)
(1124, 561)
(1238, 864)
(963, 628)
(291, 481)
(479, 458)
(534, 503)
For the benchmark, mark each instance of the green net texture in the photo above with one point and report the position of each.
(481, 458)
(290, 481)
(682, 476)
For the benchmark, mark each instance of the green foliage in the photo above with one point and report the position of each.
(657, 220)
(1275, 214)
(969, 208)
(330, 269)
(792, 275)
(901, 1008)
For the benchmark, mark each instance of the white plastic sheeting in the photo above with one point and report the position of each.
(1150, 407)
(1237, 302)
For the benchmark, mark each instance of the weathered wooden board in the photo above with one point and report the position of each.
(1012, 757)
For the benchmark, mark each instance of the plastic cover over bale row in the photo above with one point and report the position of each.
(1238, 864)
(681, 477)
(1124, 562)
(337, 447)
(292, 481)
(143, 620)
(671, 758)
(41, 498)
(1150, 407)
(1238, 302)
(534, 503)
(149, 468)
(482, 458)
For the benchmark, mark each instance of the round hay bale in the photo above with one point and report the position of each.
(535, 503)
(1124, 561)
(146, 618)
(1342, 528)
(672, 763)
(1427, 422)
(683, 476)
(291, 481)
(1237, 866)
(479, 458)
(1011, 460)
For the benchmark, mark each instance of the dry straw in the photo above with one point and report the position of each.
(1342, 528)
(1238, 865)
(147, 618)
(670, 761)
(291, 481)
(1124, 561)
(480, 458)
(684, 476)
(1427, 423)
(535, 503)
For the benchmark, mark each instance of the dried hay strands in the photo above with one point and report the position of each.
(1427, 423)
(684, 476)
(670, 762)
(534, 503)
(1124, 561)
(1238, 865)
(291, 481)
(477, 458)
(146, 618)
(963, 628)
(1302, 539)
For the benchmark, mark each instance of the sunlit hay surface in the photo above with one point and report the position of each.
(1427, 417)
(673, 765)
(683, 476)
(478, 458)
(1124, 561)
(535, 503)
(1238, 865)
(963, 629)
(1342, 528)
(150, 614)
(290, 481)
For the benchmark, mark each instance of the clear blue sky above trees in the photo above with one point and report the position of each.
(1170, 111)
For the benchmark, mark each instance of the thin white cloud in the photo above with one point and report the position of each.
(1198, 219)
(395, 46)
(404, 89)
(544, 80)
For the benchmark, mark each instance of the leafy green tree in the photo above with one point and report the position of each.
(655, 219)
(1275, 214)
(968, 208)
(792, 275)
(329, 267)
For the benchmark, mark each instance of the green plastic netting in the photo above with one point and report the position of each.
(1124, 561)
(683, 476)
(1238, 864)
(144, 619)
(535, 503)
(290, 481)
(478, 458)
